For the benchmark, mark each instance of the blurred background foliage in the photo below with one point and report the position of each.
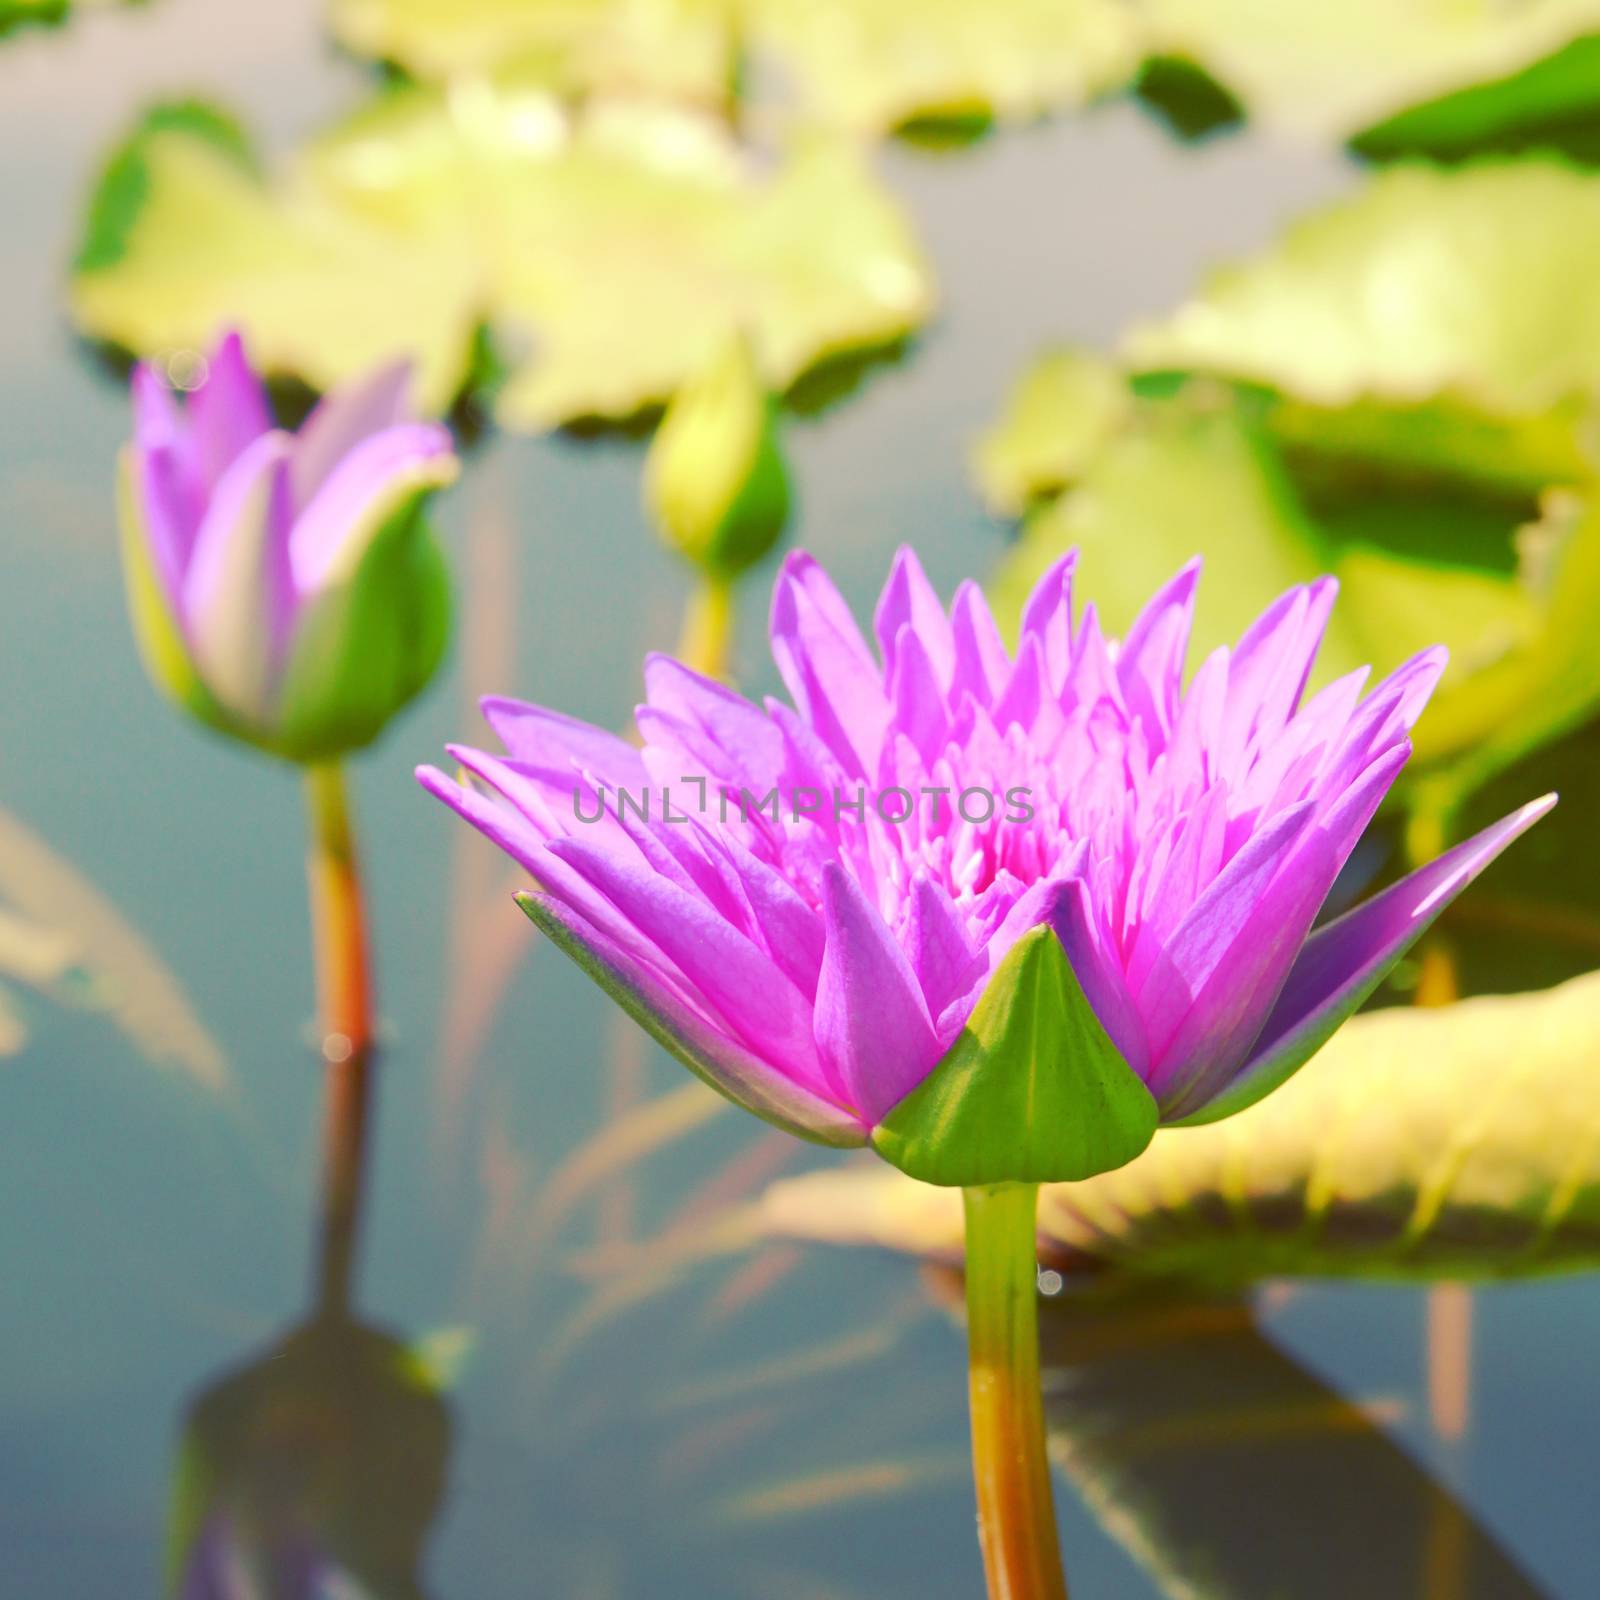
(565, 208)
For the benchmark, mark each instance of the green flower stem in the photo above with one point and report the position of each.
(1016, 1511)
(344, 1007)
(708, 627)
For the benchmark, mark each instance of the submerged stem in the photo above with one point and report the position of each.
(708, 627)
(1016, 1510)
(344, 1019)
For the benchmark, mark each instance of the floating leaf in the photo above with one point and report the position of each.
(1461, 1141)
(870, 65)
(1330, 72)
(16, 14)
(1065, 408)
(1169, 1414)
(184, 239)
(621, 243)
(877, 65)
(681, 48)
(1198, 473)
(1184, 477)
(1552, 105)
(1536, 673)
(126, 976)
(1446, 320)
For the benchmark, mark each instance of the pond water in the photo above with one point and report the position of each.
(774, 1421)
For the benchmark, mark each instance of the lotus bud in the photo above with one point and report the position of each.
(715, 481)
(284, 588)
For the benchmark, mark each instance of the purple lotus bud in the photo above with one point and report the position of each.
(284, 588)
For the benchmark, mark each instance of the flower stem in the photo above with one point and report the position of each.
(344, 1013)
(1016, 1511)
(708, 627)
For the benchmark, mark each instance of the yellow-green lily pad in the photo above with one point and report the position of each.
(1443, 319)
(1455, 1142)
(869, 65)
(1335, 71)
(679, 48)
(1198, 473)
(608, 250)
(878, 65)
(1064, 409)
(16, 14)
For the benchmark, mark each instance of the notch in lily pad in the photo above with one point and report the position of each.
(1032, 1091)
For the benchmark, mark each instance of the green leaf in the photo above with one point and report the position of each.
(1185, 477)
(1329, 72)
(869, 65)
(1064, 409)
(199, 244)
(878, 65)
(1537, 671)
(1190, 476)
(17, 14)
(610, 251)
(678, 48)
(1552, 105)
(1032, 1090)
(1442, 320)
(1165, 1407)
(125, 181)
(1450, 1142)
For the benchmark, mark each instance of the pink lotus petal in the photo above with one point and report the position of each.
(860, 862)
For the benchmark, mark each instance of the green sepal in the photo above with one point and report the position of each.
(371, 640)
(1032, 1091)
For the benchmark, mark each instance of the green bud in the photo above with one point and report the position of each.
(715, 480)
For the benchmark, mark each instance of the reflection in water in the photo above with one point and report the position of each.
(315, 1470)
(1228, 1470)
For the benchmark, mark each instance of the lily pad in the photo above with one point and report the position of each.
(1199, 473)
(1552, 105)
(1445, 321)
(878, 65)
(1065, 408)
(609, 251)
(680, 48)
(1536, 673)
(869, 65)
(1332, 72)
(1193, 475)
(15, 14)
(1456, 1142)
(1168, 1412)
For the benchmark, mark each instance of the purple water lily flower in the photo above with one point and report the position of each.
(252, 553)
(811, 918)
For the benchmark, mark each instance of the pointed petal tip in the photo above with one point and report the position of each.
(437, 782)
